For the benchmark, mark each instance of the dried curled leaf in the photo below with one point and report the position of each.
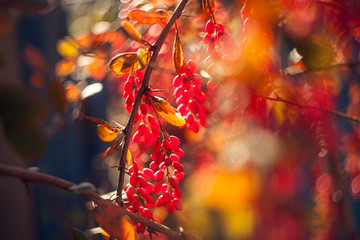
(114, 222)
(111, 149)
(209, 6)
(177, 54)
(131, 32)
(146, 17)
(124, 63)
(166, 111)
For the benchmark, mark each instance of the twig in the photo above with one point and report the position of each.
(332, 112)
(143, 88)
(325, 68)
(33, 176)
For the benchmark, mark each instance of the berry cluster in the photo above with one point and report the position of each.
(148, 129)
(214, 32)
(131, 88)
(189, 96)
(166, 171)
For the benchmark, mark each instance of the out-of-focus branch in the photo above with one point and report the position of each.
(38, 177)
(325, 68)
(143, 88)
(332, 112)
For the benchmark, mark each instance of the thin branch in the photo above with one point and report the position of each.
(143, 88)
(332, 112)
(38, 177)
(325, 68)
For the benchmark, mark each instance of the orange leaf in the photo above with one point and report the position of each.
(131, 32)
(114, 222)
(57, 96)
(209, 6)
(166, 111)
(177, 53)
(145, 17)
(105, 131)
(164, 14)
(124, 63)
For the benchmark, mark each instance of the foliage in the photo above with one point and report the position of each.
(236, 115)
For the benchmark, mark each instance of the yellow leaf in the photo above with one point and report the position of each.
(66, 48)
(129, 158)
(166, 111)
(106, 134)
(124, 63)
(177, 53)
(114, 222)
(131, 32)
(105, 131)
(143, 57)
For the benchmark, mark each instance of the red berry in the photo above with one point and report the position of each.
(177, 204)
(159, 175)
(174, 157)
(160, 201)
(207, 38)
(153, 165)
(209, 27)
(157, 146)
(149, 199)
(177, 192)
(170, 206)
(141, 180)
(167, 197)
(129, 190)
(179, 175)
(167, 161)
(140, 228)
(148, 213)
(220, 27)
(178, 91)
(178, 166)
(142, 191)
(177, 81)
(174, 139)
(148, 172)
(133, 180)
(157, 187)
(143, 108)
(173, 181)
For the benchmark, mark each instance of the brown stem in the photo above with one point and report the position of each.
(33, 176)
(332, 112)
(143, 88)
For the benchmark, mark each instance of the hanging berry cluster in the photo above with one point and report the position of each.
(157, 183)
(189, 96)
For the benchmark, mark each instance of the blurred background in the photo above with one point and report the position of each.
(262, 169)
